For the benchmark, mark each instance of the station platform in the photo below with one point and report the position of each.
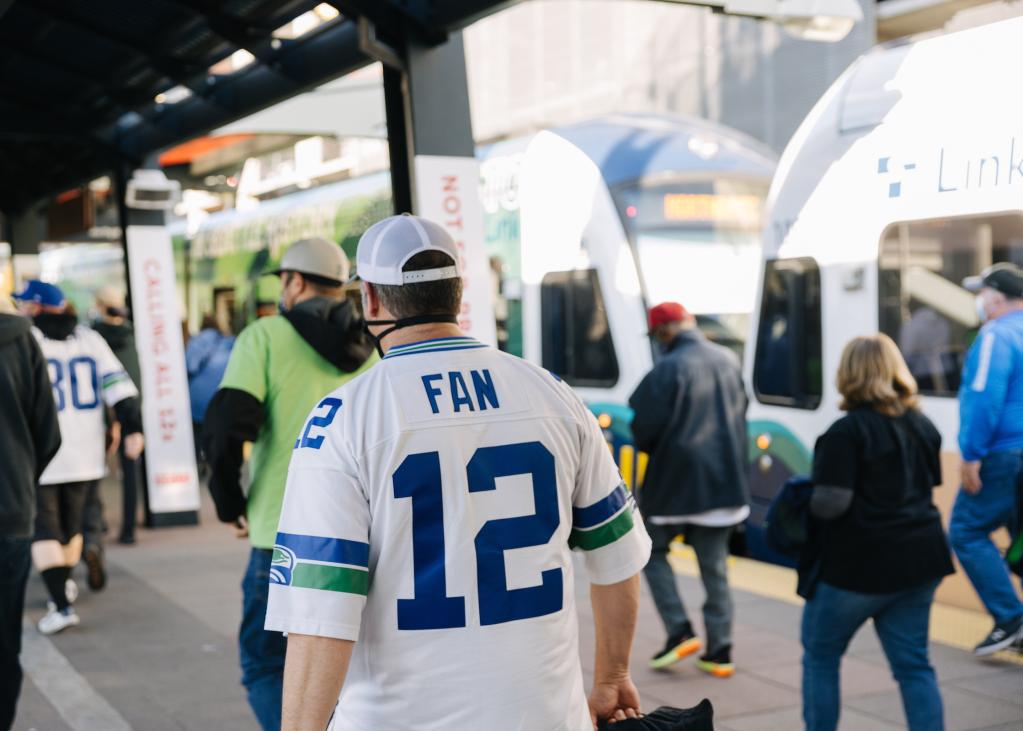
(156, 650)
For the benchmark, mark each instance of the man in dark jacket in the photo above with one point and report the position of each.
(279, 369)
(29, 437)
(690, 417)
(115, 327)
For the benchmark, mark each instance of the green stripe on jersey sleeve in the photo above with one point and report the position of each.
(330, 578)
(602, 535)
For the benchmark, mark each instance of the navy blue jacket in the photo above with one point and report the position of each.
(690, 417)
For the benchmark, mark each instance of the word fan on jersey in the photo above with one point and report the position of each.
(429, 515)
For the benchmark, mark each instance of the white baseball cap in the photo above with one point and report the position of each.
(387, 246)
(318, 257)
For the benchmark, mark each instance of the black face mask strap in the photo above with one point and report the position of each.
(403, 323)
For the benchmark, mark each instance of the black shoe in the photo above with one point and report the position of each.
(719, 664)
(97, 573)
(1001, 637)
(679, 646)
(126, 539)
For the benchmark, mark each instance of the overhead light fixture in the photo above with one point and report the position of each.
(173, 95)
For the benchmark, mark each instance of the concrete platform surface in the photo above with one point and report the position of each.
(156, 652)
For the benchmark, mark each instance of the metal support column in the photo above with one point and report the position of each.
(427, 109)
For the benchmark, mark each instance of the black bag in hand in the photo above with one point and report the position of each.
(666, 718)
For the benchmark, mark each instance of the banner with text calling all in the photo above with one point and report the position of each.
(166, 410)
(448, 192)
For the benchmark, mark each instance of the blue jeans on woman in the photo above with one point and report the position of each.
(974, 518)
(901, 620)
(262, 652)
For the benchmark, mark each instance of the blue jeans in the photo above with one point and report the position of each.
(15, 559)
(262, 652)
(974, 518)
(901, 621)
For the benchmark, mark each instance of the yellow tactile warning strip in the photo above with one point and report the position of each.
(953, 626)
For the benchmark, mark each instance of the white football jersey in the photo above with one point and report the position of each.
(429, 513)
(85, 375)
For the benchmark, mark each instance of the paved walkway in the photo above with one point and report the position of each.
(156, 651)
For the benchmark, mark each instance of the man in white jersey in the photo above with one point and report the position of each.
(423, 556)
(86, 378)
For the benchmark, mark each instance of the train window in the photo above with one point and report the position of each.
(922, 305)
(576, 338)
(787, 367)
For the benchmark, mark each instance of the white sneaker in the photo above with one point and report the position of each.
(56, 621)
(71, 591)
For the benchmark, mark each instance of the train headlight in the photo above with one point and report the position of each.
(604, 421)
(763, 442)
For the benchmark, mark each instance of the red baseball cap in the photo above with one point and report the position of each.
(664, 313)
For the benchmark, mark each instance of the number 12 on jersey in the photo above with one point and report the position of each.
(419, 479)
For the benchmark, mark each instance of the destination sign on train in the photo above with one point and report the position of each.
(738, 210)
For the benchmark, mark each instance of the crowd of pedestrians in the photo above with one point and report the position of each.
(378, 444)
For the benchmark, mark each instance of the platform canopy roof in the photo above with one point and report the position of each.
(86, 85)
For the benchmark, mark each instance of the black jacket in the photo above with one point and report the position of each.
(29, 434)
(690, 417)
(121, 339)
(335, 330)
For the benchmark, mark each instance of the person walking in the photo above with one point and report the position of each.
(690, 417)
(991, 443)
(278, 370)
(113, 325)
(86, 376)
(881, 547)
(29, 438)
(408, 556)
(206, 357)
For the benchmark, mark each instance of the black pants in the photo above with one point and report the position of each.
(94, 524)
(15, 560)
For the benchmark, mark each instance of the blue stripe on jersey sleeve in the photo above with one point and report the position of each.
(600, 511)
(319, 548)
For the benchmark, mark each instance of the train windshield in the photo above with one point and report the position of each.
(697, 242)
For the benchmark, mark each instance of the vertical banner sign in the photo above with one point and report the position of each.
(448, 192)
(166, 410)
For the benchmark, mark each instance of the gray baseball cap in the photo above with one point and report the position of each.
(317, 257)
(387, 246)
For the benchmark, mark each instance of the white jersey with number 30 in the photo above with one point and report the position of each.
(86, 377)
(430, 510)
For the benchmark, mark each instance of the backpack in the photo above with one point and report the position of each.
(787, 525)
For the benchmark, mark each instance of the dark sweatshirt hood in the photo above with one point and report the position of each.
(56, 326)
(12, 327)
(334, 329)
(117, 336)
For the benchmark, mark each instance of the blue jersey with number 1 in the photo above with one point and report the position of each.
(430, 513)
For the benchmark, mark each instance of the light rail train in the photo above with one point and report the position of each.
(906, 177)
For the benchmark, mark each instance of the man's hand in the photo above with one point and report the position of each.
(970, 474)
(133, 445)
(113, 438)
(241, 527)
(614, 701)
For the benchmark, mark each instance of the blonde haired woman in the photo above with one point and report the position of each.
(883, 550)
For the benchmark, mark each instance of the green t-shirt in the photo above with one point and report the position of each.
(271, 361)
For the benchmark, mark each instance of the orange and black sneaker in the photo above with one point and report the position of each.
(719, 664)
(679, 646)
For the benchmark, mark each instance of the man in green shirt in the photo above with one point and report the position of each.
(280, 368)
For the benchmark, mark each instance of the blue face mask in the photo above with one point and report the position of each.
(281, 307)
